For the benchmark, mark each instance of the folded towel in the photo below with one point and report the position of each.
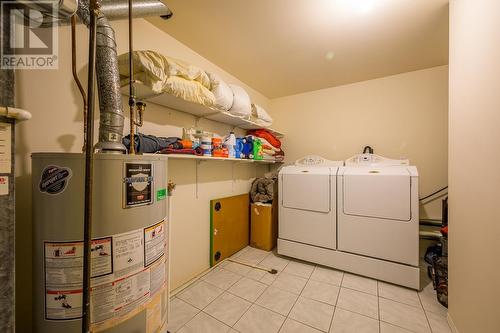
(197, 151)
(267, 135)
(242, 105)
(222, 92)
(268, 152)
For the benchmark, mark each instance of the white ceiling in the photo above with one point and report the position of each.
(284, 47)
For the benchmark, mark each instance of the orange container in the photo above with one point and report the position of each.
(216, 143)
(187, 144)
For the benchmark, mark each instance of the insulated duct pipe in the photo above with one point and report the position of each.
(59, 11)
(108, 83)
(118, 9)
(53, 11)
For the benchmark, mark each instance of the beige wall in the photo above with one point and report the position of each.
(474, 276)
(52, 98)
(399, 116)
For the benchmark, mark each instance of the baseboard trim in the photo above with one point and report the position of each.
(451, 323)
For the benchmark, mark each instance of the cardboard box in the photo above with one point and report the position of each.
(264, 225)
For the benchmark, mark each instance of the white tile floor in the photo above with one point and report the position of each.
(301, 298)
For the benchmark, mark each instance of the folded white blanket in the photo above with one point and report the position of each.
(242, 105)
(259, 113)
(222, 92)
(260, 116)
(153, 69)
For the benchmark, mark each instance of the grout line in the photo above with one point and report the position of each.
(232, 284)
(425, 313)
(205, 314)
(221, 296)
(395, 301)
(378, 305)
(340, 307)
(335, 306)
(331, 321)
(398, 326)
(244, 312)
(364, 292)
(299, 296)
(208, 314)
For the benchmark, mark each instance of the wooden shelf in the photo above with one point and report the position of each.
(144, 93)
(208, 158)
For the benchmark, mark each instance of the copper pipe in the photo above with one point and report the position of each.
(141, 109)
(89, 167)
(131, 100)
(77, 80)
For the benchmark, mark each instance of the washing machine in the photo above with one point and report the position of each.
(360, 218)
(307, 202)
(378, 208)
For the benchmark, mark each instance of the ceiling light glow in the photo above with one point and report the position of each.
(329, 55)
(361, 6)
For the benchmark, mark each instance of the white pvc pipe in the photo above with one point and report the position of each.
(15, 113)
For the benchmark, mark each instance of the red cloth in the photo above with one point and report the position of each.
(265, 134)
(444, 230)
(197, 151)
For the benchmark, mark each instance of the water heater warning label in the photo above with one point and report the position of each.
(128, 270)
(63, 280)
(101, 257)
(154, 247)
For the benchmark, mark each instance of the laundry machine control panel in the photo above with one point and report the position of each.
(374, 160)
(315, 160)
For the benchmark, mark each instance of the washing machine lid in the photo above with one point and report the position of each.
(379, 192)
(307, 188)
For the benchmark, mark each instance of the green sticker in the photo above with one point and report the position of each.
(161, 194)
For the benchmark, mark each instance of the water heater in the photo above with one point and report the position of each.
(129, 251)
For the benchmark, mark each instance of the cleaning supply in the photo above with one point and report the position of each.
(229, 144)
(187, 144)
(206, 144)
(194, 135)
(257, 150)
(238, 148)
(247, 151)
(217, 148)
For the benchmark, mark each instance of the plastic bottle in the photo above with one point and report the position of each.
(206, 144)
(257, 150)
(230, 143)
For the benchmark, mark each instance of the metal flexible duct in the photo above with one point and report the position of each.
(118, 9)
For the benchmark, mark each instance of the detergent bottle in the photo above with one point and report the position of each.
(257, 150)
(247, 151)
(238, 148)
